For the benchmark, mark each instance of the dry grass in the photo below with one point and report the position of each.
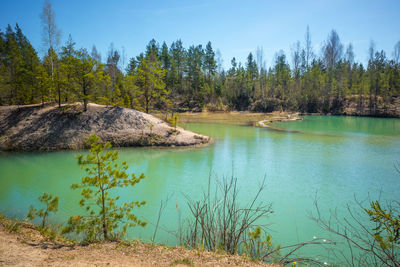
(28, 247)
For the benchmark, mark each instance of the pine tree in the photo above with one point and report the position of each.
(30, 65)
(195, 75)
(68, 64)
(86, 75)
(210, 65)
(104, 176)
(179, 60)
(51, 206)
(13, 64)
(150, 83)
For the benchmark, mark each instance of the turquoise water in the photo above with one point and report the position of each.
(332, 159)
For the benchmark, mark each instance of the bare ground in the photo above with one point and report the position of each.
(33, 127)
(23, 245)
(236, 117)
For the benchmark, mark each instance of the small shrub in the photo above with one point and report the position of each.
(51, 205)
(387, 232)
(13, 227)
(258, 246)
(173, 120)
(103, 215)
(172, 132)
(65, 107)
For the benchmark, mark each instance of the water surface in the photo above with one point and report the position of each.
(332, 159)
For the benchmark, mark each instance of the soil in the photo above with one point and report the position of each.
(236, 117)
(49, 128)
(21, 244)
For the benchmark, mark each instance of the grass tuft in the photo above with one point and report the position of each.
(184, 261)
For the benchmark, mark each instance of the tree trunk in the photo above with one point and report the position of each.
(44, 219)
(103, 206)
(84, 98)
(59, 95)
(104, 216)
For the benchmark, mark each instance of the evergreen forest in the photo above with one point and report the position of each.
(178, 78)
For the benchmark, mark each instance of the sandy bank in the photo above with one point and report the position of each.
(236, 117)
(283, 117)
(22, 245)
(33, 128)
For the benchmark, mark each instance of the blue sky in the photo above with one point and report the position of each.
(236, 28)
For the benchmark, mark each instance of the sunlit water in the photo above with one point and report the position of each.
(332, 159)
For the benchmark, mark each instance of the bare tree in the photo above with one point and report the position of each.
(296, 58)
(371, 51)
(96, 54)
(113, 59)
(372, 72)
(396, 53)
(219, 60)
(309, 54)
(349, 56)
(50, 33)
(260, 59)
(332, 50)
(51, 39)
(261, 67)
(370, 239)
(219, 221)
(123, 58)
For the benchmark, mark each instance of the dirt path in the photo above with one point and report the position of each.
(24, 246)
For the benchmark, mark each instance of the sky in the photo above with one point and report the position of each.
(236, 28)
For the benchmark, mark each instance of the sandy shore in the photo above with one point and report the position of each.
(23, 245)
(33, 128)
(284, 117)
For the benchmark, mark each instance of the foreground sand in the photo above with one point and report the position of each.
(25, 246)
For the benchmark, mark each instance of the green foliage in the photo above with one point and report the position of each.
(173, 120)
(12, 227)
(150, 82)
(51, 206)
(165, 78)
(104, 217)
(49, 233)
(387, 232)
(260, 247)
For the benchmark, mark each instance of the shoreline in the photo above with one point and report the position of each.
(267, 123)
(23, 244)
(37, 128)
(49, 128)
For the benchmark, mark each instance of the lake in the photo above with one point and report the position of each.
(332, 159)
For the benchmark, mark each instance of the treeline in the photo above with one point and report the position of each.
(175, 78)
